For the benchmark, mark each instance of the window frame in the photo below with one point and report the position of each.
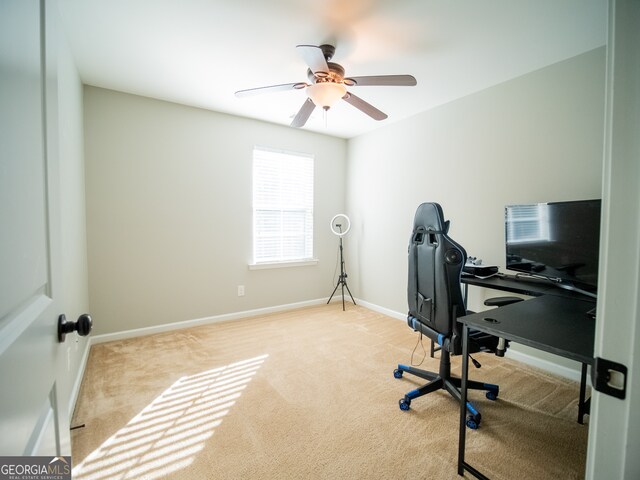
(282, 260)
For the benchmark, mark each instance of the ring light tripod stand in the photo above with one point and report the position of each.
(336, 222)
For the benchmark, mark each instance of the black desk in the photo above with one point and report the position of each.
(536, 288)
(555, 322)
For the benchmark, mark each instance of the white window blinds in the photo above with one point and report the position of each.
(282, 206)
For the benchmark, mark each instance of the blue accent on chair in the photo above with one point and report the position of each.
(471, 409)
(441, 338)
(412, 394)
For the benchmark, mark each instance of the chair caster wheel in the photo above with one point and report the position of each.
(397, 373)
(473, 422)
(404, 404)
(492, 395)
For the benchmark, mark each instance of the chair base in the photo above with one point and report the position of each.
(448, 383)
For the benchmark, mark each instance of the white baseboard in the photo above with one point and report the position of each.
(386, 311)
(546, 365)
(75, 391)
(139, 332)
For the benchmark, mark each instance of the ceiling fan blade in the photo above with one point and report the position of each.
(365, 107)
(390, 80)
(271, 88)
(303, 114)
(314, 57)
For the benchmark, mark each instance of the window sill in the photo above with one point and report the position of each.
(295, 263)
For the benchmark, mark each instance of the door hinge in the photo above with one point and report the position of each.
(609, 377)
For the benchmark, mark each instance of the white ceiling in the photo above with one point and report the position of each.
(199, 52)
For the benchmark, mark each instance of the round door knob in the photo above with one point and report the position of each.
(83, 326)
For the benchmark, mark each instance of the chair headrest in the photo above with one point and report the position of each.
(430, 216)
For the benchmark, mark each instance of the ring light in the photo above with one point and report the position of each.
(338, 222)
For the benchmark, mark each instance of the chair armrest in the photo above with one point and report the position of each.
(501, 301)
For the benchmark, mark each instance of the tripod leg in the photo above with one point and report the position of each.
(345, 284)
(334, 292)
(342, 281)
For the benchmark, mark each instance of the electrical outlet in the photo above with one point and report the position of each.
(241, 290)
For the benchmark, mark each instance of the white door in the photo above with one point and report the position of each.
(614, 430)
(32, 421)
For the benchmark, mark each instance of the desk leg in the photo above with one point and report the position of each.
(583, 387)
(462, 465)
(463, 401)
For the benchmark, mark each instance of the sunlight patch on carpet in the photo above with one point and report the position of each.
(169, 432)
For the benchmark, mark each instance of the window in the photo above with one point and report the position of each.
(282, 206)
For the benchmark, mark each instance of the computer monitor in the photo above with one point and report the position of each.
(559, 241)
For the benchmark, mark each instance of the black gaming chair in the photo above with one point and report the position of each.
(435, 303)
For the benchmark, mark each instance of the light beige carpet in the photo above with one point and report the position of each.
(309, 394)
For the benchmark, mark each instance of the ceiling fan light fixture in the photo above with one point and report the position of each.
(326, 94)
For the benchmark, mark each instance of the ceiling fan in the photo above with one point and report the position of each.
(327, 84)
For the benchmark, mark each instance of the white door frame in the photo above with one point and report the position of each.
(614, 430)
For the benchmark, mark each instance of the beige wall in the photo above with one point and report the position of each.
(169, 216)
(536, 138)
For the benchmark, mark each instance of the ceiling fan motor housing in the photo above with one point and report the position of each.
(336, 74)
(328, 51)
